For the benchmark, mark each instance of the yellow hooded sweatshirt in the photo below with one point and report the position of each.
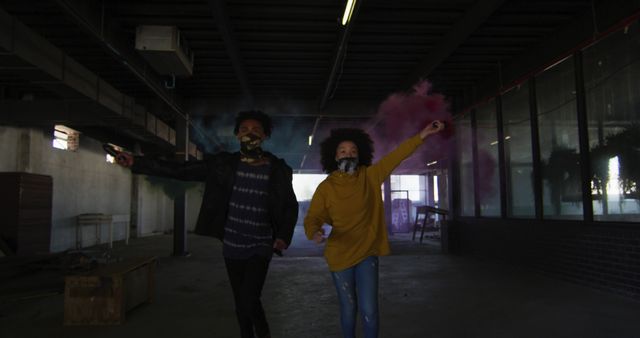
(352, 205)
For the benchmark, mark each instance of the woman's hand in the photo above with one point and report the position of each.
(318, 237)
(432, 128)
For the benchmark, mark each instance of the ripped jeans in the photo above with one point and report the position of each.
(357, 287)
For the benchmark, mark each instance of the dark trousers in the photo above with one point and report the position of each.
(247, 278)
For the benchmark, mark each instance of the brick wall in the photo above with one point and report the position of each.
(605, 256)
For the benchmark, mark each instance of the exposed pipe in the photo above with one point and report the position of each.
(340, 54)
(457, 34)
(220, 16)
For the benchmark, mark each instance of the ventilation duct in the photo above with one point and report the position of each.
(165, 50)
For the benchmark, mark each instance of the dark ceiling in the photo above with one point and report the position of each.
(293, 59)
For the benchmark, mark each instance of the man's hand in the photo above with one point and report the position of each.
(318, 237)
(432, 128)
(124, 159)
(279, 245)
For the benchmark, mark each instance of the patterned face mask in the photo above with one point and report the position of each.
(250, 146)
(348, 165)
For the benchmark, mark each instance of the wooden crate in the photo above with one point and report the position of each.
(104, 295)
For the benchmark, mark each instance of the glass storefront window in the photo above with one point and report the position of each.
(407, 192)
(463, 136)
(414, 185)
(517, 148)
(612, 73)
(559, 143)
(488, 174)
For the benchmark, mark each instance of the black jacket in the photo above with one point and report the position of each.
(218, 172)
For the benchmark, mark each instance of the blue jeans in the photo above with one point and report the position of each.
(357, 287)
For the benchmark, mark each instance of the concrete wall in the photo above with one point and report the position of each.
(155, 204)
(194, 200)
(8, 150)
(83, 182)
(155, 209)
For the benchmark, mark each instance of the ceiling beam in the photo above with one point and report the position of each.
(338, 59)
(91, 20)
(573, 35)
(79, 112)
(86, 99)
(458, 34)
(298, 107)
(54, 69)
(220, 15)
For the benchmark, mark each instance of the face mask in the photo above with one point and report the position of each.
(250, 146)
(348, 164)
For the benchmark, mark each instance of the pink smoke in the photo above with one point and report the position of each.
(403, 115)
(487, 164)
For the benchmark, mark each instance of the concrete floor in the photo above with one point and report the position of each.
(423, 294)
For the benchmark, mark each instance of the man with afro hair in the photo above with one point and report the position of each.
(248, 204)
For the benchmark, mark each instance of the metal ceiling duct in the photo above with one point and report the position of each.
(165, 50)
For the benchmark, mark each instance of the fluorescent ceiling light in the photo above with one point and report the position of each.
(496, 142)
(348, 10)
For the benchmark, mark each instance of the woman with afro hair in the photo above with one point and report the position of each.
(350, 201)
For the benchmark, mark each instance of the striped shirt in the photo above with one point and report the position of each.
(248, 229)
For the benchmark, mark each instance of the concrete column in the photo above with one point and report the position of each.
(387, 205)
(430, 190)
(180, 201)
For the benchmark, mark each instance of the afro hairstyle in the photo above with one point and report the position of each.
(359, 137)
(257, 115)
